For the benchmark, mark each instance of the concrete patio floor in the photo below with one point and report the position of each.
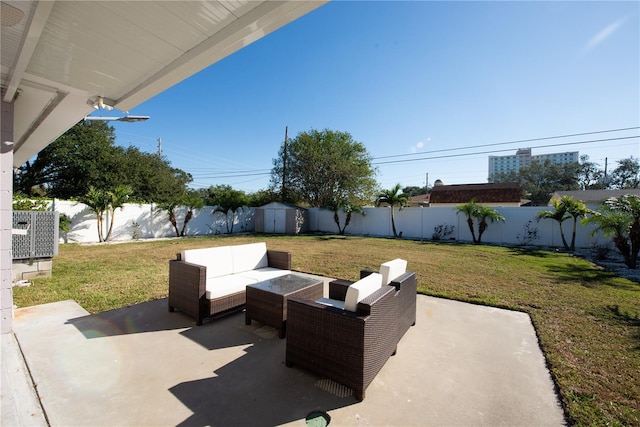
(461, 365)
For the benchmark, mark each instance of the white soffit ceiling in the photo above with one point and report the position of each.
(59, 55)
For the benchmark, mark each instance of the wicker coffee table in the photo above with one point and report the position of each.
(267, 301)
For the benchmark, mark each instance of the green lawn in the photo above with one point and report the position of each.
(587, 320)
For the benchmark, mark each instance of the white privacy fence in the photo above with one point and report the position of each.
(145, 221)
(420, 223)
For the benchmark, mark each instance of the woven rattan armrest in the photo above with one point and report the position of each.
(279, 259)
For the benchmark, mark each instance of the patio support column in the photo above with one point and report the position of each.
(6, 216)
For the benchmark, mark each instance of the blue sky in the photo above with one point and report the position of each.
(438, 85)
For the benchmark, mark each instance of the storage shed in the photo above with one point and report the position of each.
(281, 218)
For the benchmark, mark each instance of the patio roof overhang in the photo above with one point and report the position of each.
(60, 59)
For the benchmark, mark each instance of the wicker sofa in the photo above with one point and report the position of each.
(212, 281)
(350, 347)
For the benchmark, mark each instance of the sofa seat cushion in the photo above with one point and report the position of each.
(392, 269)
(362, 289)
(217, 260)
(226, 285)
(249, 257)
(262, 274)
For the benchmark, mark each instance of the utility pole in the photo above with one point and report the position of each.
(284, 164)
(159, 147)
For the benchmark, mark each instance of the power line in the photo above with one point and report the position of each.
(510, 142)
(231, 176)
(498, 151)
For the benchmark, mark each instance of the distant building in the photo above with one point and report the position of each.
(523, 159)
(420, 200)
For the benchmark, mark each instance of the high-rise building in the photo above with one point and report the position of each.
(523, 158)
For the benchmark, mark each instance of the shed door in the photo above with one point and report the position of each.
(275, 221)
(269, 220)
(280, 221)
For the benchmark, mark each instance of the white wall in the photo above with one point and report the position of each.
(414, 223)
(151, 222)
(419, 223)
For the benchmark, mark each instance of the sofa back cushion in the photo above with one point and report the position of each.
(249, 257)
(362, 289)
(217, 260)
(392, 269)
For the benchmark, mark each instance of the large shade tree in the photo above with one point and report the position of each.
(86, 156)
(627, 173)
(324, 169)
(541, 179)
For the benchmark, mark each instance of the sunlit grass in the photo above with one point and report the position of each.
(587, 320)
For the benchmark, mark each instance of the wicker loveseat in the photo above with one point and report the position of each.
(211, 281)
(350, 347)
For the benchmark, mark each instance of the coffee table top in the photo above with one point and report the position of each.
(286, 284)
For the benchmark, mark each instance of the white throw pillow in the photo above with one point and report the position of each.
(392, 269)
(362, 289)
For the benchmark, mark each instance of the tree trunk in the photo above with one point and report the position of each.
(481, 229)
(564, 241)
(473, 233)
(634, 237)
(99, 216)
(393, 223)
(336, 219)
(187, 218)
(625, 249)
(174, 222)
(113, 215)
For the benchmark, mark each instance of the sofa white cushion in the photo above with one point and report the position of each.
(249, 257)
(217, 260)
(362, 289)
(262, 274)
(226, 285)
(392, 269)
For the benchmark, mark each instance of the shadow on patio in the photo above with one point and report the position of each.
(141, 365)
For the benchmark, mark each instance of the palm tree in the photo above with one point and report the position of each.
(103, 202)
(559, 214)
(98, 201)
(472, 211)
(575, 209)
(170, 208)
(116, 199)
(620, 217)
(393, 197)
(484, 213)
(348, 208)
(192, 201)
(469, 210)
